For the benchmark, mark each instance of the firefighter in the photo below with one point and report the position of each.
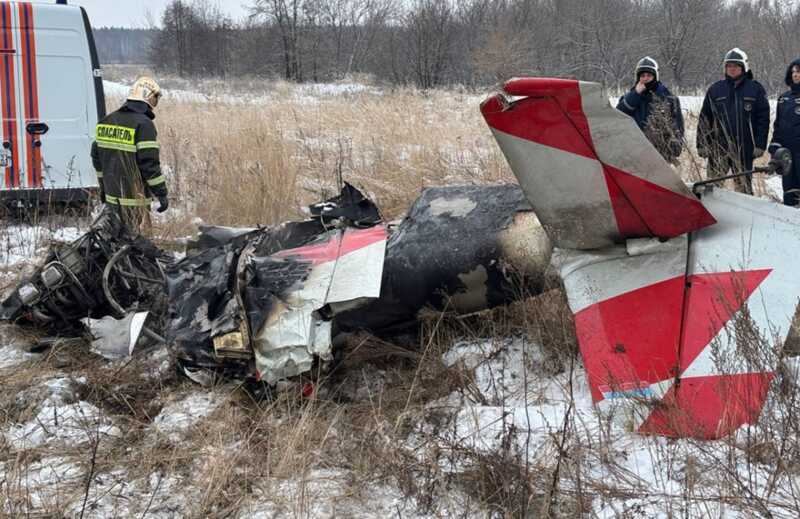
(734, 121)
(786, 132)
(125, 156)
(656, 111)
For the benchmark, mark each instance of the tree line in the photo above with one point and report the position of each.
(430, 43)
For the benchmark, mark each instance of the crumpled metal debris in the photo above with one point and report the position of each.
(113, 338)
(105, 274)
(261, 304)
(268, 303)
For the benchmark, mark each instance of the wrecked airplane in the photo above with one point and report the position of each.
(682, 297)
(268, 303)
(107, 281)
(682, 300)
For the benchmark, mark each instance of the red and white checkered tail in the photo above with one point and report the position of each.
(589, 172)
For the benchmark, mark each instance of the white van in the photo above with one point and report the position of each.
(51, 92)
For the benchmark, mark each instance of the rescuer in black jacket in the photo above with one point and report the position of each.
(125, 156)
(786, 132)
(734, 121)
(656, 111)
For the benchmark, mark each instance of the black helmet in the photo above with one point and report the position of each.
(647, 64)
(738, 56)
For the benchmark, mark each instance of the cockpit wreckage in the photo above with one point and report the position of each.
(269, 303)
(682, 297)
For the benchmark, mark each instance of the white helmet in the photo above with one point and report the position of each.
(737, 55)
(145, 89)
(647, 64)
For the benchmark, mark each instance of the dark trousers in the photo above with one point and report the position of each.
(791, 182)
(724, 165)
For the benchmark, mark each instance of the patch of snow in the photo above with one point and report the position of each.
(113, 89)
(61, 421)
(498, 366)
(333, 89)
(329, 493)
(11, 355)
(45, 485)
(113, 494)
(774, 186)
(303, 93)
(21, 244)
(176, 418)
(690, 104)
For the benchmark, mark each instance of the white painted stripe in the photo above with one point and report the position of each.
(568, 192)
(751, 234)
(592, 277)
(620, 143)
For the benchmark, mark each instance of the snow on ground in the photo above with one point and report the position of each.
(177, 418)
(44, 483)
(508, 398)
(60, 418)
(691, 104)
(329, 493)
(303, 93)
(21, 244)
(12, 354)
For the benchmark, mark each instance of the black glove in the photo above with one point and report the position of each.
(781, 161)
(163, 204)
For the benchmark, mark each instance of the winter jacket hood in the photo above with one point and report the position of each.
(788, 78)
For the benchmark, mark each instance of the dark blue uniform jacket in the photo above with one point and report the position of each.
(734, 118)
(786, 133)
(641, 106)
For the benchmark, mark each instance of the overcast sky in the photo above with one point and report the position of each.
(134, 13)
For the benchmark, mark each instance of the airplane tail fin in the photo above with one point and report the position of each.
(591, 175)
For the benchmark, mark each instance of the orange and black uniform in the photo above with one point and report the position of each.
(125, 156)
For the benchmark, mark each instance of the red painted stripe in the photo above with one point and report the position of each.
(550, 121)
(336, 247)
(629, 222)
(9, 95)
(30, 92)
(710, 407)
(553, 116)
(5, 95)
(666, 213)
(713, 300)
(631, 338)
(634, 340)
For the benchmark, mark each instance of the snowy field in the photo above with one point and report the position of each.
(477, 426)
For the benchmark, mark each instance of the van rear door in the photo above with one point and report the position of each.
(59, 98)
(9, 98)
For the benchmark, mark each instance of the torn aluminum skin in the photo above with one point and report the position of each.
(116, 339)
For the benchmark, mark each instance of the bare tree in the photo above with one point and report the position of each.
(429, 27)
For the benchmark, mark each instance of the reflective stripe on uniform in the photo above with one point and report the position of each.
(626, 103)
(115, 146)
(147, 145)
(116, 134)
(156, 181)
(128, 202)
(99, 174)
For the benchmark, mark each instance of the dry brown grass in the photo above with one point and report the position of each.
(262, 163)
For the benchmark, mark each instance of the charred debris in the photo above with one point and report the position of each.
(271, 303)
